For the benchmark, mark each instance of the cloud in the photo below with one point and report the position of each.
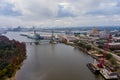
(65, 10)
(36, 10)
(6, 9)
(106, 8)
(53, 13)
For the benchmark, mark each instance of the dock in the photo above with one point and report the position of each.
(93, 68)
(109, 75)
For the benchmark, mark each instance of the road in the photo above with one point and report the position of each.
(114, 55)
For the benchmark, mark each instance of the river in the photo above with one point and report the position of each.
(53, 62)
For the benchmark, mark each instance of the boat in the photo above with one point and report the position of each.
(35, 36)
(109, 75)
(23, 35)
(93, 68)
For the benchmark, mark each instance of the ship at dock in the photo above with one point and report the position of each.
(101, 68)
(108, 75)
(35, 36)
(41, 39)
(93, 68)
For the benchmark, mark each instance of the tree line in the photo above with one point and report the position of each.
(12, 54)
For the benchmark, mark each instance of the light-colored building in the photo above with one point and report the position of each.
(103, 34)
(114, 45)
(116, 39)
(67, 38)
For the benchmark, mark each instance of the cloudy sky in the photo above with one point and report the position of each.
(59, 13)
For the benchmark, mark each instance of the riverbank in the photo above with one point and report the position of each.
(82, 49)
(12, 78)
(12, 54)
(110, 64)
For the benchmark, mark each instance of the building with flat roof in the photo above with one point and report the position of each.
(115, 46)
(104, 34)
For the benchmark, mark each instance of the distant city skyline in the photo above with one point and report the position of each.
(59, 13)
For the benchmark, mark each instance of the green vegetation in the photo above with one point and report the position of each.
(100, 52)
(12, 54)
(118, 54)
(85, 46)
(108, 56)
(77, 34)
(113, 61)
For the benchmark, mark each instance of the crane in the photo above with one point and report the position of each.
(106, 47)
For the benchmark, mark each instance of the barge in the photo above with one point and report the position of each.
(93, 68)
(109, 75)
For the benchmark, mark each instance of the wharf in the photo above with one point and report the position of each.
(93, 68)
(109, 75)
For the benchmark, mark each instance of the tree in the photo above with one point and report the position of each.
(108, 56)
(112, 60)
(88, 47)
